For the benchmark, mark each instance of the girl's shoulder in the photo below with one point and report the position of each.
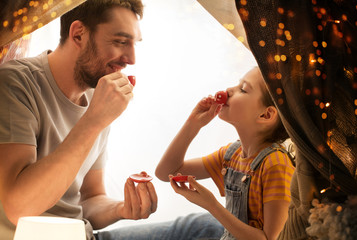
(278, 157)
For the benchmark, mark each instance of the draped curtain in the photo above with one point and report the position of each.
(307, 52)
(18, 18)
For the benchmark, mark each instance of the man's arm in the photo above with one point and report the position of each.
(139, 201)
(30, 186)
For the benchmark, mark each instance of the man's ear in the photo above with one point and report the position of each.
(76, 33)
(270, 114)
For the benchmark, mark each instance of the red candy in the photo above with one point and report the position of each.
(221, 97)
(181, 178)
(141, 177)
(132, 80)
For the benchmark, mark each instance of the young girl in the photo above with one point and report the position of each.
(253, 173)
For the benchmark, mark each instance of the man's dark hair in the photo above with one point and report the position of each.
(93, 12)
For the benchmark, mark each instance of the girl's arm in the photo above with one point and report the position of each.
(275, 212)
(172, 161)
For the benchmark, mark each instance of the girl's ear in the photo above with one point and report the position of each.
(76, 33)
(270, 114)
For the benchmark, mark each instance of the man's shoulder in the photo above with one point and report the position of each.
(19, 65)
(16, 71)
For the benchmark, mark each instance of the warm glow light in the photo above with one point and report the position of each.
(45, 228)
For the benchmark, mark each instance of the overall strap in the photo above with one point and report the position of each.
(265, 152)
(259, 158)
(230, 151)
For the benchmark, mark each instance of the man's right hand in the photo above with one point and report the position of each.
(110, 99)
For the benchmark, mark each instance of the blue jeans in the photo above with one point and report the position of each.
(196, 226)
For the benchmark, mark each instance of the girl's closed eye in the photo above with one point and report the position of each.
(242, 90)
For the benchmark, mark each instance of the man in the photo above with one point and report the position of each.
(54, 118)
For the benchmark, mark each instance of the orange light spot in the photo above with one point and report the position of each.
(279, 91)
(291, 14)
(315, 91)
(321, 148)
(277, 58)
(280, 101)
(281, 25)
(324, 116)
(298, 58)
(241, 38)
(261, 43)
(263, 22)
(278, 76)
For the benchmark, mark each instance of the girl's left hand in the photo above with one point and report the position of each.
(195, 193)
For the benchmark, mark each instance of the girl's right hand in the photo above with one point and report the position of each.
(205, 111)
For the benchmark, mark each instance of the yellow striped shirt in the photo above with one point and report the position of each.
(271, 181)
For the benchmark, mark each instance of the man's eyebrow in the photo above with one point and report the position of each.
(126, 35)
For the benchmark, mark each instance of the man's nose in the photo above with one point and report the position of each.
(129, 56)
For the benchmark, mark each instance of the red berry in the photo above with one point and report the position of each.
(221, 97)
(132, 80)
(181, 178)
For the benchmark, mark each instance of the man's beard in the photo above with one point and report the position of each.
(89, 67)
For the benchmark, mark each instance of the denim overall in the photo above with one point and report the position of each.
(236, 184)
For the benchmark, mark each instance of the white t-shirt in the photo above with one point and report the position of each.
(33, 110)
